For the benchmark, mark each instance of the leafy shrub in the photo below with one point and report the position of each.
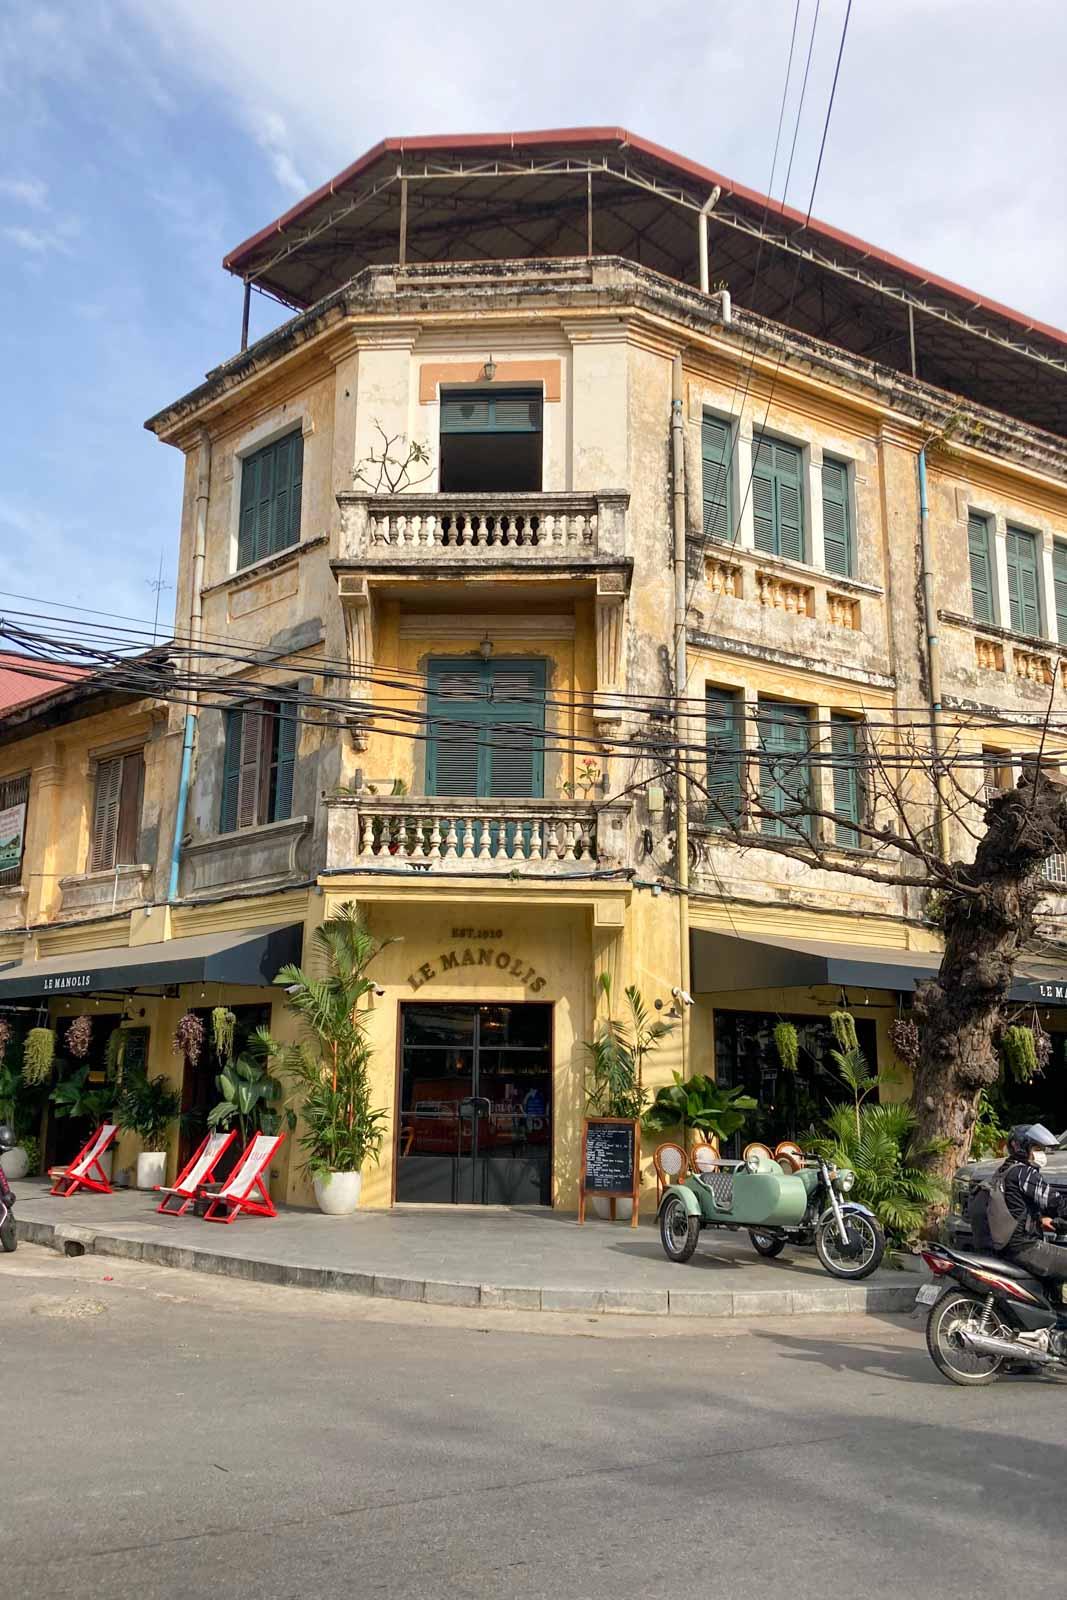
(873, 1140)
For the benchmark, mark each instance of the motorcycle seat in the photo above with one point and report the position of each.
(1006, 1268)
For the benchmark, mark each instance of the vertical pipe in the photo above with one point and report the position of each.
(403, 222)
(681, 679)
(244, 315)
(702, 237)
(589, 213)
(196, 617)
(933, 657)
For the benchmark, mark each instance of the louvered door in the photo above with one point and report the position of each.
(785, 768)
(777, 499)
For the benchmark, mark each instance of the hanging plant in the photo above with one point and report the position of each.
(38, 1053)
(843, 1025)
(114, 1052)
(1019, 1053)
(223, 1028)
(787, 1045)
(5, 1036)
(189, 1037)
(1042, 1044)
(79, 1037)
(904, 1037)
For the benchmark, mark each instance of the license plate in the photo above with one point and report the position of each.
(927, 1294)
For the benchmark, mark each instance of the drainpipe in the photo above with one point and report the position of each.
(203, 484)
(702, 235)
(681, 679)
(933, 658)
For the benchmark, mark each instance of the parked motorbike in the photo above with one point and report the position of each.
(777, 1208)
(8, 1236)
(987, 1316)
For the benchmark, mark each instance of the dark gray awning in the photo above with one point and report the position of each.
(251, 959)
(724, 961)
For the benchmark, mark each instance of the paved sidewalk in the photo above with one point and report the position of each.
(528, 1260)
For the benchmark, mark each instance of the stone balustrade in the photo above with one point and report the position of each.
(989, 655)
(458, 835)
(505, 527)
(1032, 666)
(782, 594)
(842, 611)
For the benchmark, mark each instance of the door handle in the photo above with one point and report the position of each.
(475, 1105)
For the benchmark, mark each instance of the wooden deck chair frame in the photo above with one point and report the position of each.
(196, 1172)
(246, 1191)
(78, 1174)
(664, 1178)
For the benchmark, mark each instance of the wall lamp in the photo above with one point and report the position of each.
(489, 370)
(485, 649)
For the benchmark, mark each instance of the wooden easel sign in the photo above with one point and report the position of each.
(611, 1162)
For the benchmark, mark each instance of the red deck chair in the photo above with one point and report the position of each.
(194, 1174)
(80, 1173)
(246, 1190)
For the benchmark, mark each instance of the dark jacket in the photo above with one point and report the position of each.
(1028, 1197)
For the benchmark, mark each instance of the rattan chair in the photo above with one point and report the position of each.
(671, 1164)
(703, 1158)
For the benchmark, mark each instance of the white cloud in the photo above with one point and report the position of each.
(25, 191)
(272, 134)
(29, 239)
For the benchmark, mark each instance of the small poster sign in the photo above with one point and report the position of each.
(611, 1162)
(12, 836)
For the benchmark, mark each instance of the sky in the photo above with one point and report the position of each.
(142, 141)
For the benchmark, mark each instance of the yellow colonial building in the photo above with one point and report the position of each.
(567, 459)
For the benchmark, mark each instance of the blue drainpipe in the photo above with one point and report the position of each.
(183, 801)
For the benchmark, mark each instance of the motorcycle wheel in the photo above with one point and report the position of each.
(866, 1239)
(956, 1310)
(766, 1244)
(678, 1230)
(8, 1236)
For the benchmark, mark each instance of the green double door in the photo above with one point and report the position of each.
(487, 735)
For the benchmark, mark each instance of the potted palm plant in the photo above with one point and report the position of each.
(329, 1070)
(147, 1107)
(615, 1072)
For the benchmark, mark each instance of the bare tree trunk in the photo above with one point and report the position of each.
(988, 920)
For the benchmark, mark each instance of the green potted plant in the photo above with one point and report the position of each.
(147, 1107)
(329, 1070)
(76, 1097)
(249, 1091)
(615, 1069)
(700, 1105)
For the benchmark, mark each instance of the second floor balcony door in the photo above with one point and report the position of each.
(486, 729)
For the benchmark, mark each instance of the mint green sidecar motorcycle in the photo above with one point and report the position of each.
(777, 1208)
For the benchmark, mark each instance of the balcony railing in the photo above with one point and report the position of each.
(1056, 869)
(476, 527)
(462, 835)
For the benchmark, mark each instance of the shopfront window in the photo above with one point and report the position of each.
(791, 1104)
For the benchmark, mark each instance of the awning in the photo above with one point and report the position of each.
(252, 959)
(724, 961)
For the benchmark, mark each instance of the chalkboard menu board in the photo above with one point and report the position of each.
(611, 1161)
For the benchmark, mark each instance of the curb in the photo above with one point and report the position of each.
(834, 1299)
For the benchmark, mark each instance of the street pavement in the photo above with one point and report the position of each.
(169, 1435)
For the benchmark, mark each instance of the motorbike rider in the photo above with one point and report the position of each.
(1029, 1199)
(7, 1142)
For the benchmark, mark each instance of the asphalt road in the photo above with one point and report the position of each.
(168, 1435)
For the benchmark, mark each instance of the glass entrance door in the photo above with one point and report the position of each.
(475, 1125)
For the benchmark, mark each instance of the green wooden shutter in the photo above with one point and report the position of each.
(785, 768)
(836, 521)
(981, 570)
(486, 727)
(715, 452)
(458, 710)
(285, 735)
(725, 740)
(766, 533)
(271, 488)
(474, 411)
(247, 538)
(1023, 587)
(231, 772)
(515, 759)
(849, 789)
(1059, 581)
(777, 498)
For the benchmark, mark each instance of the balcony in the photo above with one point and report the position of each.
(506, 529)
(543, 837)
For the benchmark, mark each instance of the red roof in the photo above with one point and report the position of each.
(244, 256)
(18, 685)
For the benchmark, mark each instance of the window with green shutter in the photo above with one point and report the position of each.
(271, 482)
(836, 519)
(1059, 582)
(14, 808)
(784, 768)
(715, 449)
(486, 728)
(258, 764)
(725, 713)
(777, 497)
(847, 769)
(981, 564)
(1024, 592)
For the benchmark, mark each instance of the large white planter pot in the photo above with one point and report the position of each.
(151, 1169)
(624, 1209)
(16, 1163)
(338, 1193)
